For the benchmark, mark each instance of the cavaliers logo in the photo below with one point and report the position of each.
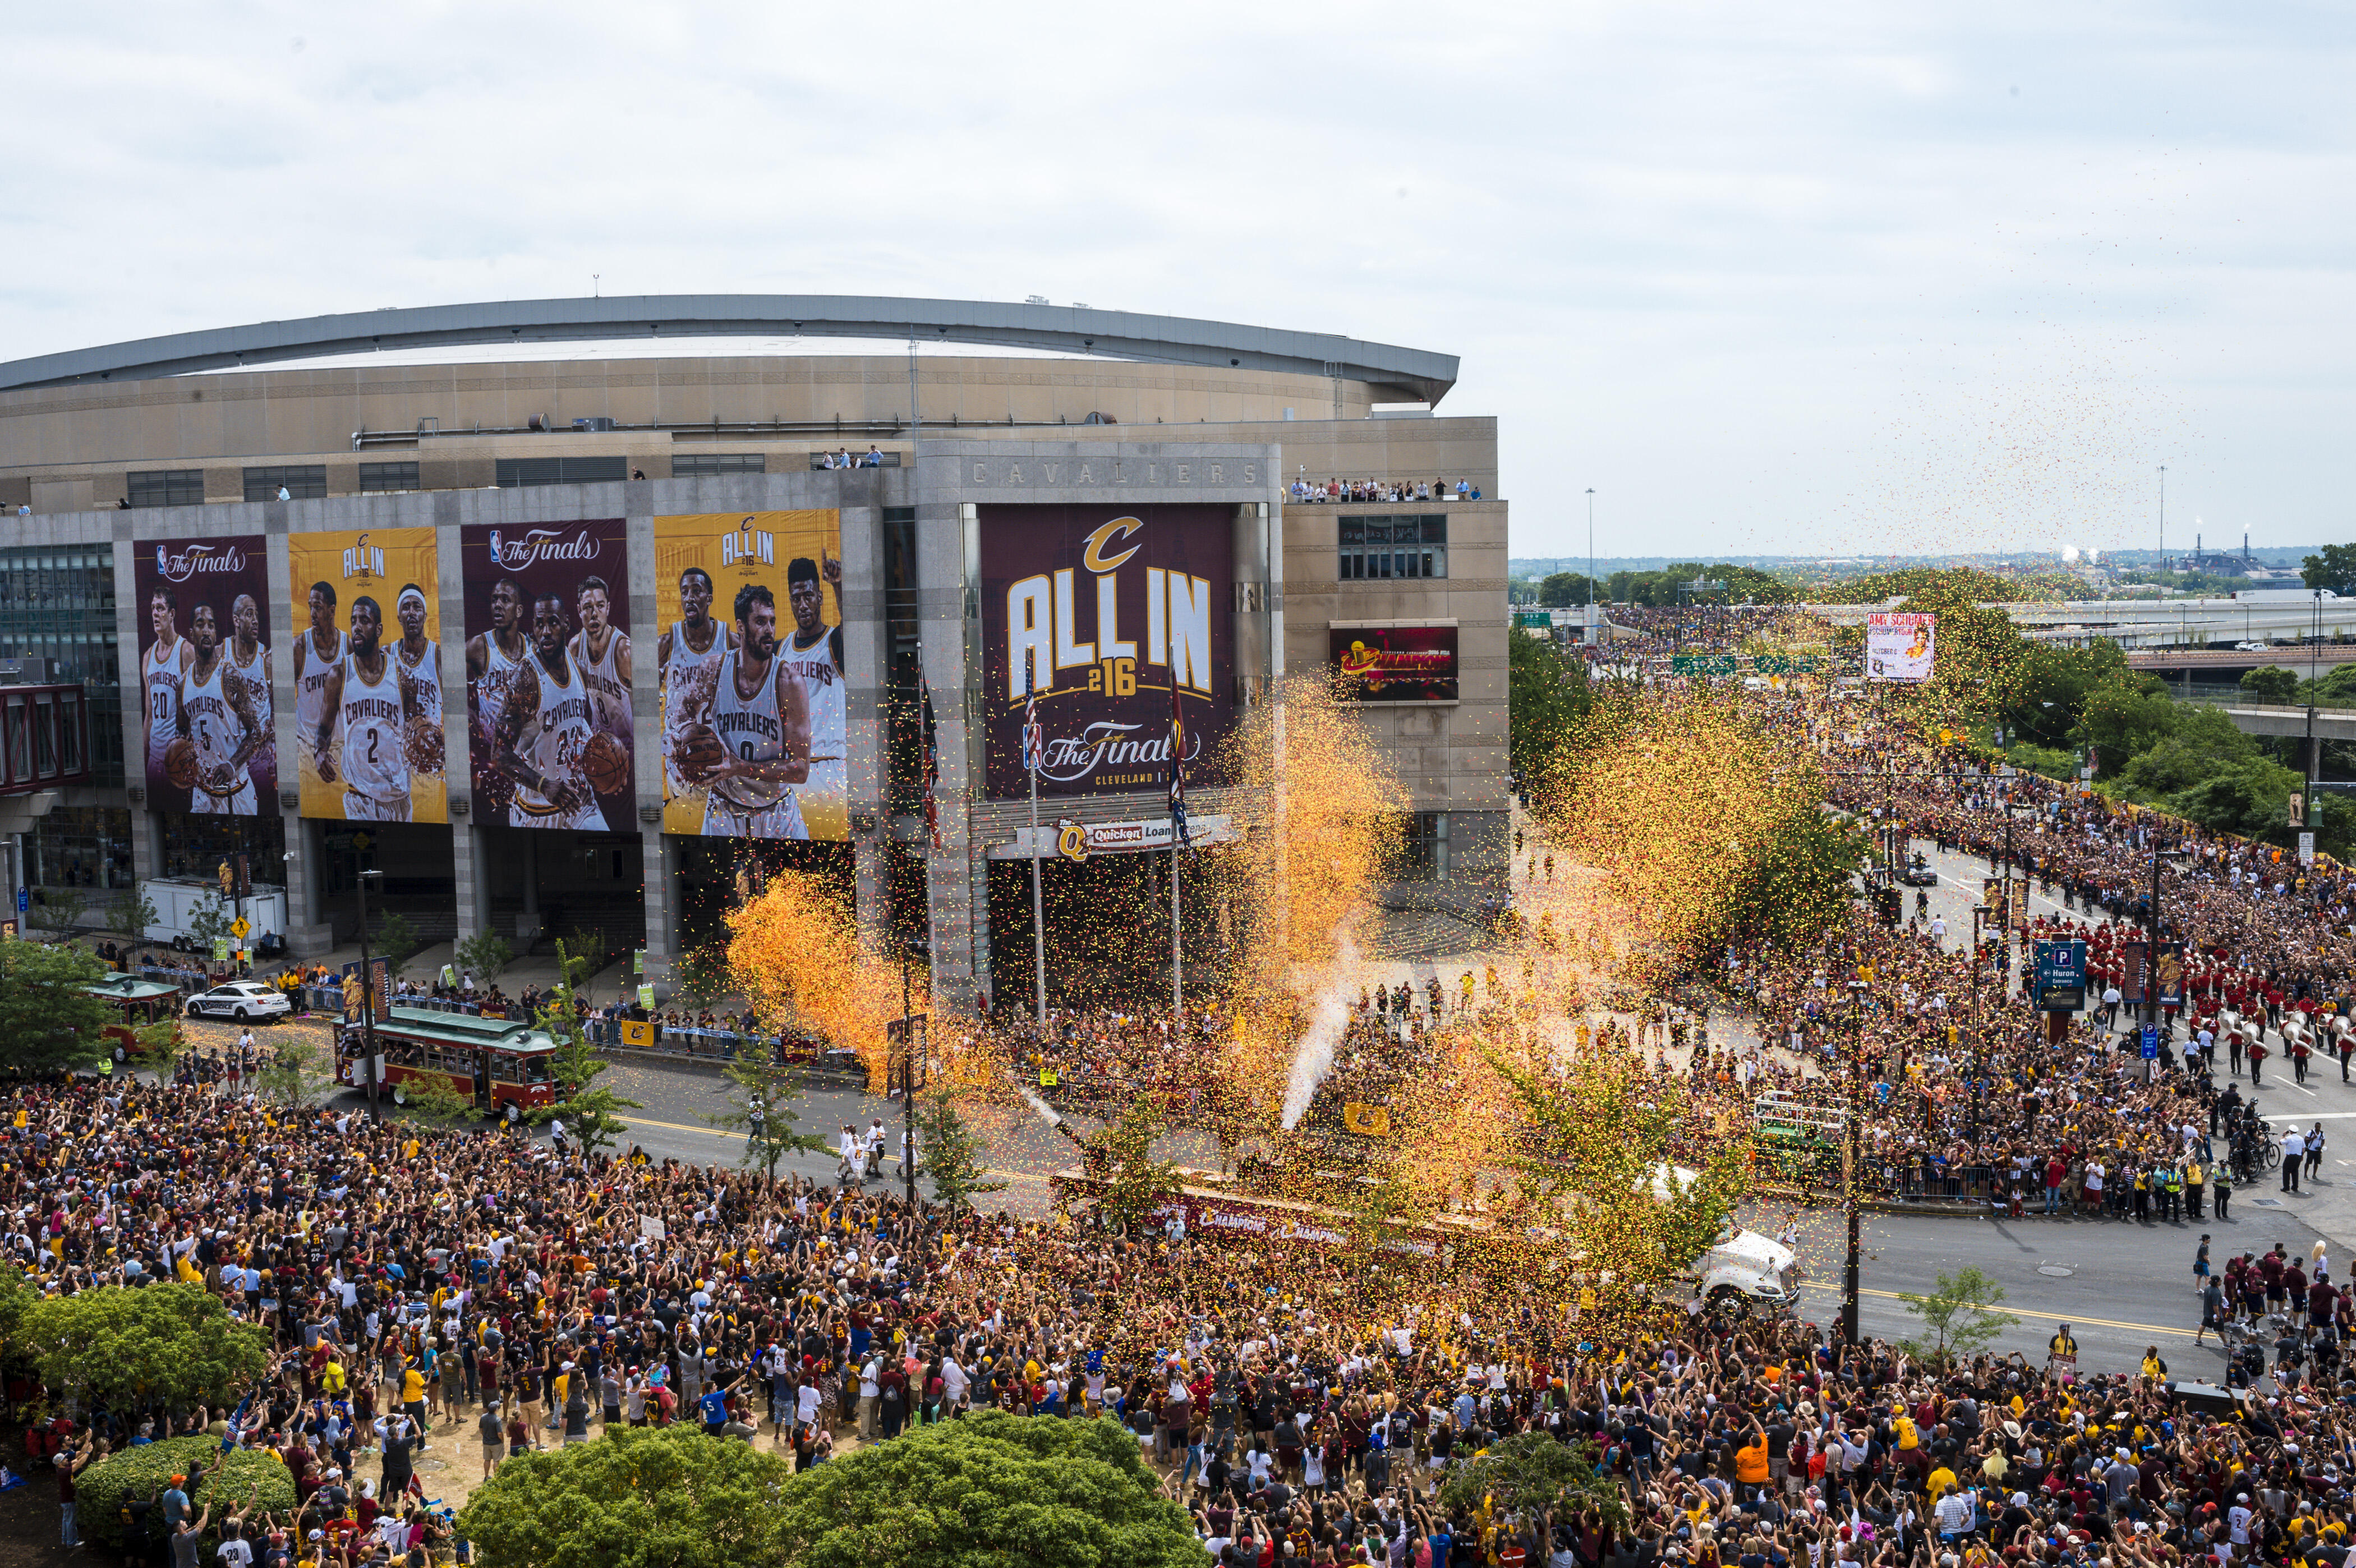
(1104, 538)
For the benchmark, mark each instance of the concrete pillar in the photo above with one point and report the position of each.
(867, 860)
(528, 930)
(471, 879)
(947, 545)
(310, 925)
(659, 856)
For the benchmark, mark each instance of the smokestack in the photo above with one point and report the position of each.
(2245, 544)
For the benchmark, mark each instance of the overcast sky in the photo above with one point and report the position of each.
(1833, 279)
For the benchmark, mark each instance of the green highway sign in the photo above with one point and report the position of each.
(1703, 664)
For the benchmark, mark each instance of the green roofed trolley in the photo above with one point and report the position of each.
(138, 1004)
(499, 1061)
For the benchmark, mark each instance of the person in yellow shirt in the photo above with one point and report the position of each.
(1941, 1480)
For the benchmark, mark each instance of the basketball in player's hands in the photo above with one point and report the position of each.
(698, 750)
(424, 745)
(180, 763)
(604, 764)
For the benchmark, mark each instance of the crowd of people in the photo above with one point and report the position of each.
(1382, 490)
(421, 1288)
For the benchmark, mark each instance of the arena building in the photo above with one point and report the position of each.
(577, 645)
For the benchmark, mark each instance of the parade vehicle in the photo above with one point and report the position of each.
(241, 1000)
(496, 1062)
(1919, 873)
(1741, 1267)
(138, 1004)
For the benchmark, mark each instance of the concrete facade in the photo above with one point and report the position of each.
(66, 451)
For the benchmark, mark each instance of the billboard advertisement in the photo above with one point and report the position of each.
(750, 654)
(367, 659)
(1101, 610)
(1898, 646)
(548, 674)
(204, 675)
(1392, 663)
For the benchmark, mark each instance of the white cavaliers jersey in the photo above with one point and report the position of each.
(822, 689)
(609, 695)
(311, 690)
(375, 766)
(679, 678)
(752, 731)
(218, 732)
(258, 695)
(491, 691)
(553, 740)
(425, 676)
(162, 671)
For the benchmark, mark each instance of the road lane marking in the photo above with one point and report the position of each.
(720, 1132)
(2084, 1322)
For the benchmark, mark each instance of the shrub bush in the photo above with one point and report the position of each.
(102, 1490)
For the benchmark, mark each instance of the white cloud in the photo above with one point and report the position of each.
(1820, 281)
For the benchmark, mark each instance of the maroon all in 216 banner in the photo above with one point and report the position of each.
(1099, 610)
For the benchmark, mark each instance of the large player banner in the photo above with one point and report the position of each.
(548, 674)
(1099, 609)
(752, 674)
(366, 652)
(204, 675)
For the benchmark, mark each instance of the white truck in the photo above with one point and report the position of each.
(179, 901)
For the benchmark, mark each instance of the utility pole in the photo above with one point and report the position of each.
(907, 1076)
(1591, 636)
(1850, 1281)
(367, 993)
(2163, 526)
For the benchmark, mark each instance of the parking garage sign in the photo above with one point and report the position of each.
(2062, 976)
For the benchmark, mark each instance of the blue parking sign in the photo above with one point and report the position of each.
(2151, 1042)
(24, 899)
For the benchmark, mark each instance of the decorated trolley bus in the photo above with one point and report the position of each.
(137, 1004)
(496, 1062)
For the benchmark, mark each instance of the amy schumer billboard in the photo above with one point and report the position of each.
(1101, 610)
(548, 674)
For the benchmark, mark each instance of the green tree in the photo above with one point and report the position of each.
(1547, 695)
(132, 912)
(585, 1105)
(2052, 685)
(993, 1488)
(48, 1021)
(951, 1152)
(2334, 569)
(395, 941)
(2124, 719)
(2200, 742)
(434, 1100)
(2271, 684)
(1120, 1154)
(165, 1346)
(1956, 1320)
(483, 955)
(1561, 590)
(1533, 1473)
(761, 1093)
(208, 923)
(637, 1497)
(227, 1482)
(298, 1072)
(61, 908)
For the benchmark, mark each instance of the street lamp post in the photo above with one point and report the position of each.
(908, 1073)
(1851, 1273)
(1591, 565)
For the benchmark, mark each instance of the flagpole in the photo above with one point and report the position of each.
(1177, 946)
(1038, 904)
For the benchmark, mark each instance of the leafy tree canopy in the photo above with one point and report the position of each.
(993, 1491)
(48, 1021)
(2335, 569)
(227, 1482)
(1534, 1472)
(2272, 683)
(1547, 695)
(638, 1497)
(154, 1346)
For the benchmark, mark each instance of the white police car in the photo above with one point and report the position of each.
(240, 1000)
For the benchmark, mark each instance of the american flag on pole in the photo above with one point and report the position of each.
(1178, 766)
(1034, 737)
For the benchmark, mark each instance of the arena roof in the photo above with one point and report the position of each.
(1416, 374)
